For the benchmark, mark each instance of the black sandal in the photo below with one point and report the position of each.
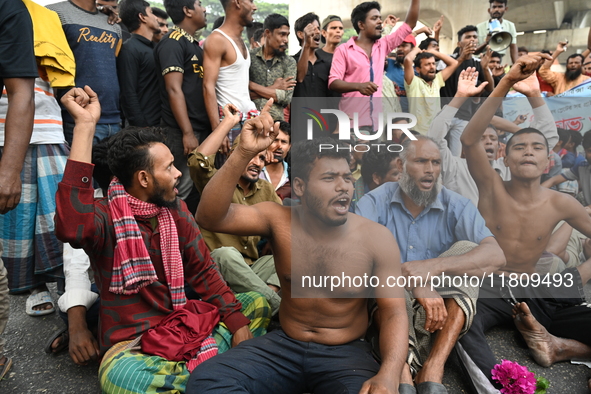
(63, 345)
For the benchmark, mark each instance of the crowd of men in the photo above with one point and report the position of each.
(151, 174)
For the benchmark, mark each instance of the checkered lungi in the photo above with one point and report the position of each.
(126, 370)
(32, 253)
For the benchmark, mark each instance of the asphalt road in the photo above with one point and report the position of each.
(36, 372)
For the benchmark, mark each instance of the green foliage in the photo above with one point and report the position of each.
(542, 385)
(156, 4)
(215, 10)
(348, 33)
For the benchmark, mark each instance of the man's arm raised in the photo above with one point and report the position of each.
(409, 67)
(452, 64)
(412, 15)
(213, 141)
(84, 106)
(215, 211)
(482, 172)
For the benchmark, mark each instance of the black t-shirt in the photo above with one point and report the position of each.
(138, 79)
(315, 83)
(451, 85)
(17, 57)
(179, 52)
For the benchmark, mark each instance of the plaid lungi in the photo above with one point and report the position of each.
(419, 344)
(126, 370)
(32, 253)
(419, 339)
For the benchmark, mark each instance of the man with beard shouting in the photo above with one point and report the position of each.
(318, 348)
(423, 90)
(573, 76)
(426, 220)
(144, 247)
(237, 256)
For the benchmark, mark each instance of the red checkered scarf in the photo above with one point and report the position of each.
(132, 266)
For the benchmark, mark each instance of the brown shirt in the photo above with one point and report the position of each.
(202, 170)
(558, 80)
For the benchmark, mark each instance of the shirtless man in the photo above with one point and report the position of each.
(522, 214)
(318, 347)
(226, 63)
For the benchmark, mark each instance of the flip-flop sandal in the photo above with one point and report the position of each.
(63, 345)
(43, 297)
(5, 364)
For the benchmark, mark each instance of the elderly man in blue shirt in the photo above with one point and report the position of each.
(427, 220)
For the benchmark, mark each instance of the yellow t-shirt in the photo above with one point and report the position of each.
(423, 100)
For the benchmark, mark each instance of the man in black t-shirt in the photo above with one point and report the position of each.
(467, 43)
(313, 67)
(18, 70)
(179, 62)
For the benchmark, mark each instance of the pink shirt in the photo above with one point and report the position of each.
(351, 64)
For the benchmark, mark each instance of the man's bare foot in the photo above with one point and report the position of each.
(45, 306)
(589, 384)
(540, 342)
(430, 373)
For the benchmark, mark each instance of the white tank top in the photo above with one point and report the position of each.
(232, 84)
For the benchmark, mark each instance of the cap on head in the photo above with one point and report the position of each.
(328, 19)
(326, 22)
(410, 39)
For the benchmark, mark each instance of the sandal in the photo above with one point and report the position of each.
(5, 364)
(37, 299)
(64, 343)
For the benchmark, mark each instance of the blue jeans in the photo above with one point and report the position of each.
(276, 363)
(101, 132)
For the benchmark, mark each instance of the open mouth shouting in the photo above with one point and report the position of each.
(253, 171)
(427, 183)
(341, 204)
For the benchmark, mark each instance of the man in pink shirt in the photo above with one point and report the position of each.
(358, 65)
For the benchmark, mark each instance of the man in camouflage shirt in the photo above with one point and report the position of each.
(272, 73)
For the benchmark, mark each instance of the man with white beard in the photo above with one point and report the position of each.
(427, 220)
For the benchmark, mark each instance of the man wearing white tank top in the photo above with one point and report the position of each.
(226, 64)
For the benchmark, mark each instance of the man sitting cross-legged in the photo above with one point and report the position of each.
(318, 348)
(143, 245)
(237, 256)
(522, 214)
(438, 232)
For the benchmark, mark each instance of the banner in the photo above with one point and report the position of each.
(571, 109)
